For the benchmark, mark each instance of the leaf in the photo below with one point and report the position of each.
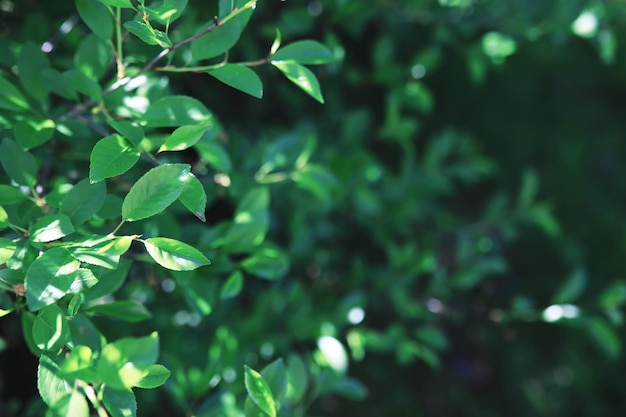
(50, 384)
(109, 281)
(193, 197)
(93, 56)
(303, 52)
(77, 301)
(184, 137)
(123, 363)
(167, 12)
(350, 388)
(30, 62)
(84, 280)
(298, 380)
(605, 337)
(131, 131)
(83, 201)
(176, 111)
(221, 38)
(226, 7)
(117, 3)
(126, 310)
(316, 179)
(572, 288)
(104, 251)
(32, 132)
(233, 285)
(110, 157)
(175, 255)
(51, 330)
(4, 219)
(77, 406)
(58, 84)
(267, 262)
(251, 222)
(83, 84)
(213, 153)
(155, 191)
(240, 77)
(97, 18)
(155, 377)
(11, 98)
(120, 402)
(79, 364)
(51, 227)
(20, 165)
(49, 277)
(302, 77)
(10, 194)
(275, 375)
(259, 391)
(148, 34)
(7, 249)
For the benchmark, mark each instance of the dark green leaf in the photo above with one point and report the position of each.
(213, 153)
(120, 402)
(51, 227)
(605, 337)
(97, 17)
(93, 57)
(259, 391)
(155, 377)
(572, 288)
(58, 84)
(49, 277)
(11, 195)
(184, 137)
(51, 330)
(50, 384)
(251, 222)
(316, 179)
(131, 131)
(350, 388)
(126, 310)
(240, 77)
(20, 165)
(32, 132)
(148, 34)
(221, 38)
(83, 201)
(111, 156)
(109, 281)
(233, 285)
(174, 111)
(226, 7)
(303, 52)
(85, 333)
(267, 262)
(175, 255)
(302, 77)
(11, 98)
(123, 363)
(83, 84)
(30, 62)
(155, 191)
(193, 197)
(77, 299)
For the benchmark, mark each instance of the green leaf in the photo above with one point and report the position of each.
(77, 300)
(120, 402)
(97, 18)
(7, 249)
(33, 132)
(193, 197)
(58, 84)
(20, 165)
(51, 330)
(155, 377)
(176, 111)
(131, 131)
(316, 179)
(233, 285)
(571, 289)
(302, 77)
(148, 34)
(50, 384)
(84, 280)
(221, 38)
(240, 77)
(11, 98)
(251, 222)
(104, 251)
(167, 12)
(117, 3)
(110, 157)
(267, 262)
(184, 137)
(226, 7)
(77, 406)
(154, 191)
(275, 375)
(175, 255)
(350, 388)
(51, 227)
(605, 337)
(303, 52)
(259, 391)
(126, 310)
(49, 277)
(213, 153)
(83, 84)
(10, 195)
(4, 219)
(109, 281)
(93, 57)
(79, 364)
(30, 62)
(124, 363)
(298, 380)
(83, 201)
(85, 333)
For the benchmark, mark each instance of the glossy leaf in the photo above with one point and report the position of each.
(30, 62)
(97, 17)
(51, 227)
(259, 391)
(193, 197)
(303, 52)
(156, 375)
(251, 222)
(302, 77)
(20, 165)
(240, 77)
(83, 201)
(93, 56)
(221, 38)
(11, 195)
(51, 330)
(148, 34)
(184, 137)
(267, 262)
(120, 402)
(126, 310)
(84, 280)
(50, 384)
(233, 285)
(49, 277)
(155, 191)
(174, 111)
(11, 98)
(175, 255)
(32, 132)
(111, 156)
(104, 251)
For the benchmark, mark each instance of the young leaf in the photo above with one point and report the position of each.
(268, 263)
(111, 156)
(126, 310)
(83, 201)
(251, 222)
(11, 98)
(259, 391)
(154, 191)
(175, 255)
(97, 17)
(155, 377)
(302, 77)
(303, 52)
(184, 137)
(233, 285)
(20, 165)
(93, 57)
(221, 38)
(120, 402)
(33, 131)
(193, 197)
(51, 227)
(176, 111)
(51, 330)
(240, 77)
(50, 383)
(30, 62)
(49, 277)
(148, 34)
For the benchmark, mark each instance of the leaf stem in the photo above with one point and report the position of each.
(117, 228)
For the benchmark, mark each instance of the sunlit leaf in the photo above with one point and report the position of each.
(49, 277)
(32, 132)
(126, 310)
(184, 137)
(175, 255)
(240, 77)
(51, 227)
(51, 330)
(306, 52)
(11, 98)
(259, 391)
(302, 77)
(156, 375)
(193, 197)
(176, 111)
